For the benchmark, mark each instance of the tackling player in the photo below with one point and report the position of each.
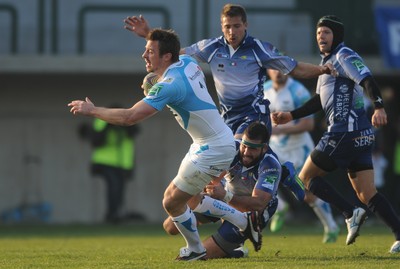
(250, 184)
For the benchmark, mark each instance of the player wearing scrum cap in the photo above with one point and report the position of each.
(348, 142)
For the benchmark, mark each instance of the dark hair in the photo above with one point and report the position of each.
(337, 27)
(257, 131)
(234, 10)
(168, 42)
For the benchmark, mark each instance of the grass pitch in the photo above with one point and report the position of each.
(147, 246)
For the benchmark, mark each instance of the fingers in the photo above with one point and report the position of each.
(131, 22)
(334, 72)
(275, 118)
(76, 106)
(378, 122)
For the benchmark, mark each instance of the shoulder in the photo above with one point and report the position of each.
(270, 162)
(347, 55)
(350, 60)
(210, 42)
(261, 46)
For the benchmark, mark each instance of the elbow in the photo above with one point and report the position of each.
(259, 206)
(129, 119)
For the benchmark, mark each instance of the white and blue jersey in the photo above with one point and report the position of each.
(342, 96)
(183, 90)
(289, 147)
(239, 74)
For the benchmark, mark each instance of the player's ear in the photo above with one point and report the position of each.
(167, 57)
(265, 148)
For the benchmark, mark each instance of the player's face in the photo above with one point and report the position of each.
(234, 30)
(152, 57)
(324, 39)
(277, 77)
(250, 156)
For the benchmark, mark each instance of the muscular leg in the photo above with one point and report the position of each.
(175, 204)
(309, 171)
(363, 184)
(311, 175)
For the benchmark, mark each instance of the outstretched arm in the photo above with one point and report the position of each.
(310, 107)
(116, 116)
(306, 70)
(138, 25)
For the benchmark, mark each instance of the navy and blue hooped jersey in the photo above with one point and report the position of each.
(239, 74)
(342, 97)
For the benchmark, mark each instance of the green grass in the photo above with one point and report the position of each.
(147, 246)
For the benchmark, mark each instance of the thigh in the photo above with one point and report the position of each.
(309, 171)
(190, 179)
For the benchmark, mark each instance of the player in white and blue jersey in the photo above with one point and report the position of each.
(293, 142)
(181, 87)
(250, 184)
(348, 142)
(238, 62)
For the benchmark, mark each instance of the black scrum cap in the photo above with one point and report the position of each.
(337, 27)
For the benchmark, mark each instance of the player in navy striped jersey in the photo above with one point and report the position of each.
(349, 139)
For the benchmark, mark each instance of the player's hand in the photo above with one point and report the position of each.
(281, 117)
(80, 107)
(216, 191)
(138, 25)
(329, 69)
(379, 118)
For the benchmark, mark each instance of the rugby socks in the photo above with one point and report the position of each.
(187, 226)
(326, 192)
(324, 213)
(379, 205)
(216, 208)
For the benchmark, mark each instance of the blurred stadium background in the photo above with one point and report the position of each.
(54, 51)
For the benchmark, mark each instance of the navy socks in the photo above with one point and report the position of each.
(326, 192)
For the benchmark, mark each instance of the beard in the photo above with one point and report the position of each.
(248, 161)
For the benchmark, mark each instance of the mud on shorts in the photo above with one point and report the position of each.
(349, 150)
